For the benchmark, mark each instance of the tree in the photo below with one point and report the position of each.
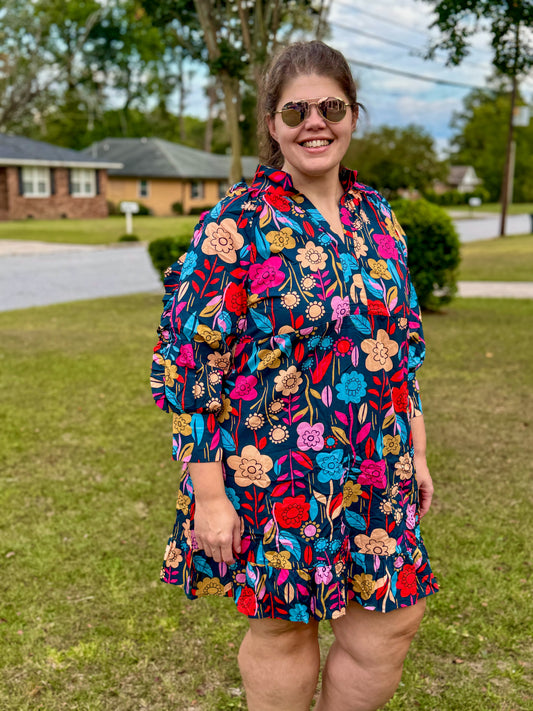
(509, 23)
(391, 158)
(479, 140)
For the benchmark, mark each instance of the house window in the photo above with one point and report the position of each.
(82, 182)
(143, 189)
(223, 186)
(197, 189)
(35, 182)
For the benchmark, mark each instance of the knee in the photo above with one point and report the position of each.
(283, 635)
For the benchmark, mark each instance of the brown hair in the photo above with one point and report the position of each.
(299, 58)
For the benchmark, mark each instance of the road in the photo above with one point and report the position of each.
(37, 273)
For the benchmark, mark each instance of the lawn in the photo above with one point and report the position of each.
(87, 503)
(501, 259)
(102, 231)
(520, 208)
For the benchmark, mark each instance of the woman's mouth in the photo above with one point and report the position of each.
(316, 143)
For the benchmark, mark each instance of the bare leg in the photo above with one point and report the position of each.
(279, 662)
(365, 662)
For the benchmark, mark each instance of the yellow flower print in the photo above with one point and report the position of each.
(391, 444)
(183, 502)
(378, 543)
(269, 359)
(350, 493)
(364, 584)
(181, 423)
(225, 409)
(378, 269)
(288, 381)
(222, 240)
(312, 256)
(207, 335)
(251, 467)
(380, 352)
(171, 373)
(209, 586)
(279, 559)
(173, 556)
(404, 466)
(280, 239)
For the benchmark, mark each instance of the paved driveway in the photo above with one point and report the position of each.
(473, 229)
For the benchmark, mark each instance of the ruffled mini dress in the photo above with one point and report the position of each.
(290, 355)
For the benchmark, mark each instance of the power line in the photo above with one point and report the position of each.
(396, 23)
(411, 75)
(380, 38)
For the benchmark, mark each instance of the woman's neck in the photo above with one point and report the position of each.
(321, 189)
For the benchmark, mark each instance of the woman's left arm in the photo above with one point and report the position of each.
(423, 477)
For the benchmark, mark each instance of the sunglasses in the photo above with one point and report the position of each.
(330, 108)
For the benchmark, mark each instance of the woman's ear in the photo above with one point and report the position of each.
(355, 116)
(271, 127)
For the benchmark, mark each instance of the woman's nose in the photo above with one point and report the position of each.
(315, 118)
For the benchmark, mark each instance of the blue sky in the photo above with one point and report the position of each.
(391, 99)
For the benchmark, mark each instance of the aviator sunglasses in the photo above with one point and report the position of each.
(330, 108)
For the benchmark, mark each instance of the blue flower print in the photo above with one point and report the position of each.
(299, 613)
(321, 544)
(324, 238)
(327, 343)
(314, 341)
(349, 265)
(352, 387)
(308, 362)
(189, 265)
(232, 496)
(330, 464)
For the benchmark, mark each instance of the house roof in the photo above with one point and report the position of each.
(457, 174)
(20, 151)
(157, 158)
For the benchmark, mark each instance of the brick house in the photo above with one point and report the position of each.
(40, 180)
(159, 173)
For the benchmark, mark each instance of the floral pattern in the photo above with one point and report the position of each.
(289, 353)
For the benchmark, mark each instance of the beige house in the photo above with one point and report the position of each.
(159, 174)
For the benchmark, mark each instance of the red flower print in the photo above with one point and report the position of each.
(386, 246)
(373, 473)
(266, 275)
(247, 602)
(377, 308)
(400, 398)
(186, 356)
(292, 511)
(244, 388)
(235, 299)
(407, 581)
(275, 197)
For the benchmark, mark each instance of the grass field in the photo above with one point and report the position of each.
(87, 503)
(514, 209)
(502, 259)
(102, 231)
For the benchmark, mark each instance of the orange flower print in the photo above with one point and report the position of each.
(312, 257)
(251, 467)
(380, 352)
(288, 381)
(404, 466)
(222, 240)
(173, 556)
(378, 543)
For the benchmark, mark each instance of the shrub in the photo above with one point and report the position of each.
(128, 238)
(144, 209)
(177, 208)
(434, 253)
(167, 250)
(112, 208)
(198, 210)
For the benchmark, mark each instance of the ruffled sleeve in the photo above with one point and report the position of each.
(204, 312)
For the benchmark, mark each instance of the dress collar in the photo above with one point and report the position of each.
(273, 178)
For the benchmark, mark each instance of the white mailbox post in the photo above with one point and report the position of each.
(129, 208)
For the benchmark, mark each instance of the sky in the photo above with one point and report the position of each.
(391, 99)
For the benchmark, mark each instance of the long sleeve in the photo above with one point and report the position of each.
(204, 311)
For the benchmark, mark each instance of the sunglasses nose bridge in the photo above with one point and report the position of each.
(313, 110)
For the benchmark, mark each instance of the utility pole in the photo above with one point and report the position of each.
(507, 176)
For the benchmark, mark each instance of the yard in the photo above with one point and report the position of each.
(87, 503)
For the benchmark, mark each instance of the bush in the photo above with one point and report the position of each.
(144, 209)
(177, 208)
(434, 253)
(198, 210)
(128, 238)
(112, 208)
(166, 251)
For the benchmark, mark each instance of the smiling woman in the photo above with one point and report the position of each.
(290, 339)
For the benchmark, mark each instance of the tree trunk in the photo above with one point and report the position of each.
(232, 104)
(507, 168)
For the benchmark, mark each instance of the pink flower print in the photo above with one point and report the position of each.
(341, 307)
(310, 436)
(323, 575)
(266, 275)
(386, 246)
(244, 388)
(373, 474)
(186, 356)
(411, 516)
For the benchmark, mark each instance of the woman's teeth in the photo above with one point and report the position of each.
(315, 144)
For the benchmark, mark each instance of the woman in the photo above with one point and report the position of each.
(289, 343)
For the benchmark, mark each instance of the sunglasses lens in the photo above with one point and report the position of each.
(332, 110)
(293, 114)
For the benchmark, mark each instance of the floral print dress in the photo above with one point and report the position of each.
(289, 354)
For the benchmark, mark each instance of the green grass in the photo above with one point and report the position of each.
(102, 231)
(514, 209)
(87, 503)
(502, 259)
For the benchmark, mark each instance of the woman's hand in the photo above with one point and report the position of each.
(217, 528)
(425, 485)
